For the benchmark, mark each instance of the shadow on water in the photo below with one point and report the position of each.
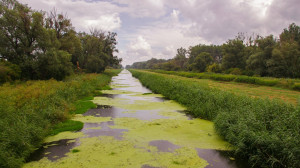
(54, 150)
(219, 159)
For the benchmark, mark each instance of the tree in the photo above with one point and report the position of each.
(285, 61)
(180, 59)
(201, 62)
(257, 62)
(234, 55)
(21, 31)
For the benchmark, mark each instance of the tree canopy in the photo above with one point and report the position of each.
(46, 45)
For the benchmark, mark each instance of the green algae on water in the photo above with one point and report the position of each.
(195, 133)
(91, 119)
(109, 152)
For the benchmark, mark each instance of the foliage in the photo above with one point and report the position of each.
(215, 68)
(201, 62)
(46, 47)
(68, 125)
(9, 71)
(264, 132)
(82, 106)
(234, 54)
(30, 109)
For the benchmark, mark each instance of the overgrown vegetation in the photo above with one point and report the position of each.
(39, 45)
(29, 111)
(264, 81)
(68, 125)
(244, 55)
(265, 132)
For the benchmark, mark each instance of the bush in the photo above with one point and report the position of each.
(216, 68)
(296, 86)
(264, 132)
(235, 71)
(246, 79)
(9, 72)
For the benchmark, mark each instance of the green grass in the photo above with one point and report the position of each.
(265, 132)
(291, 84)
(31, 109)
(82, 106)
(68, 125)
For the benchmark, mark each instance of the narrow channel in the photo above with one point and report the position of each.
(133, 127)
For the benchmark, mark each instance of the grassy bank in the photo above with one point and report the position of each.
(31, 109)
(265, 132)
(293, 84)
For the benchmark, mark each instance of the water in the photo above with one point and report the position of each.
(143, 130)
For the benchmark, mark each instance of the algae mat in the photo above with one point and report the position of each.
(134, 128)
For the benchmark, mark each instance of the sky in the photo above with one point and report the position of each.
(157, 28)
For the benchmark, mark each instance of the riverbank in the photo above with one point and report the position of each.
(31, 109)
(265, 132)
(132, 127)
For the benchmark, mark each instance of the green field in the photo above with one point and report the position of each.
(286, 83)
(30, 111)
(252, 90)
(263, 131)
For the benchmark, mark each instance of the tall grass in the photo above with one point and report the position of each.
(29, 110)
(265, 132)
(292, 84)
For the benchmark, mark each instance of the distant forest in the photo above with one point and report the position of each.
(39, 45)
(252, 56)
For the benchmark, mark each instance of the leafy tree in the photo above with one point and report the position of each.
(214, 50)
(54, 64)
(21, 31)
(285, 61)
(234, 55)
(257, 62)
(203, 60)
(180, 59)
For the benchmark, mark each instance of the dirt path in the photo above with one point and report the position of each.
(134, 128)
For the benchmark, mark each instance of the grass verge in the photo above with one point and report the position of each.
(265, 132)
(292, 84)
(30, 110)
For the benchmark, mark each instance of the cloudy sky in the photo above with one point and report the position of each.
(156, 28)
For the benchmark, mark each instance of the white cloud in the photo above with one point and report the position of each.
(83, 14)
(104, 22)
(138, 50)
(156, 28)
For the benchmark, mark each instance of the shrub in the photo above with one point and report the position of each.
(235, 71)
(216, 68)
(245, 79)
(9, 72)
(296, 86)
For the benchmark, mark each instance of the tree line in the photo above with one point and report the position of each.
(39, 45)
(244, 55)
